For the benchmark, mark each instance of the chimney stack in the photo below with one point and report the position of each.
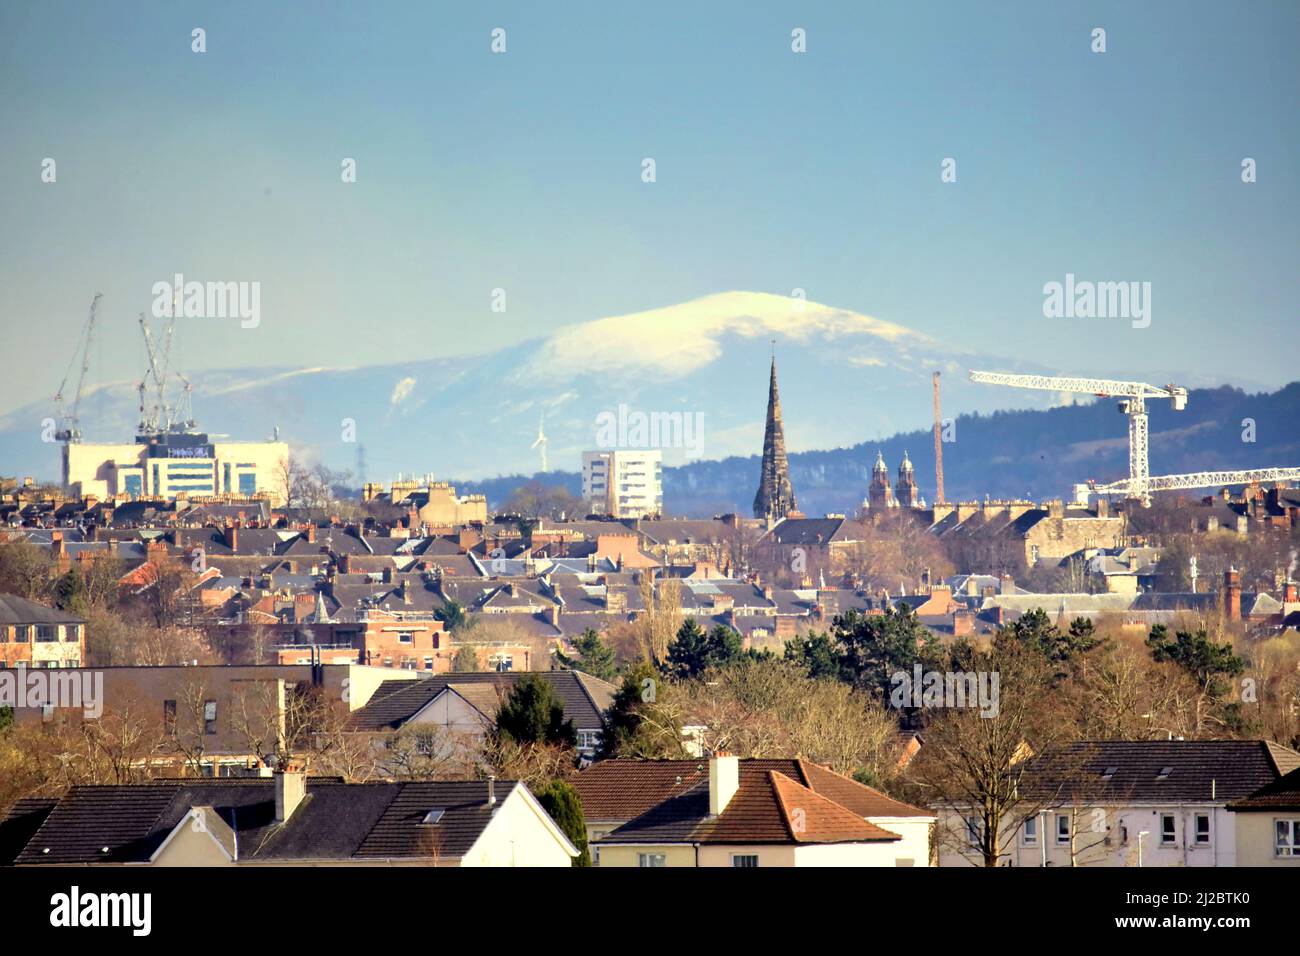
(1232, 594)
(491, 790)
(1289, 593)
(290, 788)
(724, 781)
(232, 537)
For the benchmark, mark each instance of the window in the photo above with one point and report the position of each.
(1164, 773)
(1123, 834)
(1030, 834)
(651, 859)
(1203, 829)
(1062, 829)
(404, 637)
(973, 831)
(746, 861)
(433, 816)
(247, 484)
(45, 633)
(1168, 829)
(1287, 838)
(588, 739)
(22, 633)
(72, 633)
(209, 716)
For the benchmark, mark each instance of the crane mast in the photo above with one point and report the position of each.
(70, 419)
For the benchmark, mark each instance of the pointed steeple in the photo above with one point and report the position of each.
(775, 498)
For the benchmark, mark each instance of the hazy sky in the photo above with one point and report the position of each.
(522, 170)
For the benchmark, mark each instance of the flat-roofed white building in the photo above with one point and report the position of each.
(166, 466)
(623, 483)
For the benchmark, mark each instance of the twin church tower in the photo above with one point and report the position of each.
(775, 498)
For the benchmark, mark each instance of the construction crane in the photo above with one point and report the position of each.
(1133, 398)
(1200, 479)
(161, 417)
(69, 418)
(938, 445)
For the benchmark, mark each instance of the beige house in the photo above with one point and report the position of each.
(751, 813)
(289, 821)
(1128, 803)
(1268, 824)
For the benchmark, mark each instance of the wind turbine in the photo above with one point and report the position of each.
(541, 439)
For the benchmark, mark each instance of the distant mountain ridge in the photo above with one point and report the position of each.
(845, 379)
(1038, 454)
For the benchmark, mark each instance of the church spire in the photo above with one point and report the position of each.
(775, 498)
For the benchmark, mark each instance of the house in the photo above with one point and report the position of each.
(1268, 824)
(38, 636)
(210, 716)
(744, 813)
(1124, 803)
(287, 820)
(467, 704)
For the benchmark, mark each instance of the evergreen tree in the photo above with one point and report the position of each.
(533, 713)
(694, 650)
(1196, 653)
(452, 616)
(1035, 629)
(594, 656)
(816, 654)
(640, 721)
(875, 647)
(564, 806)
(70, 592)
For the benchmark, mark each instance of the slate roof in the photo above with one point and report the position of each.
(335, 821)
(1281, 794)
(586, 698)
(16, 610)
(1158, 771)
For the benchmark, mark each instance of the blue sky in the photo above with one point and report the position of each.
(775, 171)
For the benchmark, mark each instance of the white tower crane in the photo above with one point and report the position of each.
(1133, 397)
(69, 419)
(1200, 479)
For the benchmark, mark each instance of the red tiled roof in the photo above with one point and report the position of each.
(621, 790)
